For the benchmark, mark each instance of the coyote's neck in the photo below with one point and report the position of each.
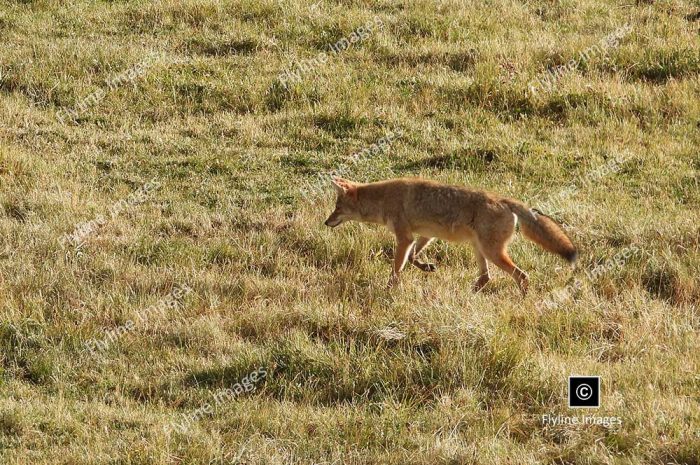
(369, 207)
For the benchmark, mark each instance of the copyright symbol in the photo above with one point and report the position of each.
(584, 391)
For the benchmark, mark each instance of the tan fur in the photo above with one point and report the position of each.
(410, 207)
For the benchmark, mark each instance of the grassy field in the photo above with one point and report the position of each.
(169, 294)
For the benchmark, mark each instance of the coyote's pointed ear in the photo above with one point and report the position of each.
(338, 184)
(345, 187)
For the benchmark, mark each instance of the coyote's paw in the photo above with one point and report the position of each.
(524, 286)
(428, 267)
(393, 281)
(480, 283)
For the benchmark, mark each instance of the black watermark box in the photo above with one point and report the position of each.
(584, 391)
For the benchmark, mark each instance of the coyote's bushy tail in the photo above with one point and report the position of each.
(542, 230)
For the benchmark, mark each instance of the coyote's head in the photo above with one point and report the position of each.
(346, 207)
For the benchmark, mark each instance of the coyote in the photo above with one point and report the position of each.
(433, 210)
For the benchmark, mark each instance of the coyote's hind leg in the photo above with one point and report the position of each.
(502, 260)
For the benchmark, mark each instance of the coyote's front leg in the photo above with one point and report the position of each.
(404, 245)
(418, 247)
